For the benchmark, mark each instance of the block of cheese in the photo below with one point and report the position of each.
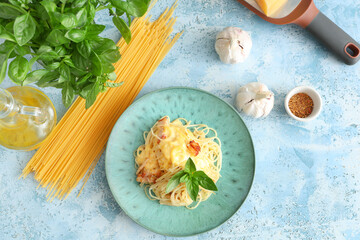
(269, 7)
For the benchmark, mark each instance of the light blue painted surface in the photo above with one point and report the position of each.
(307, 182)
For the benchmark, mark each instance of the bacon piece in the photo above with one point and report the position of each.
(161, 123)
(146, 177)
(193, 147)
(164, 121)
(163, 136)
(148, 171)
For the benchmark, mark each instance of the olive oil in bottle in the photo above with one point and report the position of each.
(27, 117)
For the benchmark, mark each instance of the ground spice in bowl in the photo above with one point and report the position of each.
(301, 105)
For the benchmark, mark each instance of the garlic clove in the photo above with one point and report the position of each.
(233, 45)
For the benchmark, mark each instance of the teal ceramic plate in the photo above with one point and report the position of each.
(200, 107)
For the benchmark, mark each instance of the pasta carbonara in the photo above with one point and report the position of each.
(168, 145)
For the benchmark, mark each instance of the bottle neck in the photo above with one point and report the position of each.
(9, 106)
(7, 103)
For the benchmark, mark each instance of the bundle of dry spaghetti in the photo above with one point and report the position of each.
(74, 147)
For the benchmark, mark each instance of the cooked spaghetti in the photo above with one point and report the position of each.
(74, 147)
(168, 145)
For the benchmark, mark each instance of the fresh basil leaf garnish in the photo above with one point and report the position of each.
(174, 181)
(192, 179)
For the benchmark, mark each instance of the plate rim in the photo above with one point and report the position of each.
(106, 161)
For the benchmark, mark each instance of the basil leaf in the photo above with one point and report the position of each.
(47, 54)
(81, 82)
(8, 11)
(44, 49)
(77, 73)
(32, 61)
(7, 47)
(4, 34)
(129, 19)
(190, 166)
(107, 67)
(24, 28)
(18, 69)
(68, 20)
(192, 187)
(53, 66)
(97, 68)
(136, 8)
(62, 79)
(3, 65)
(81, 17)
(102, 44)
(15, 2)
(123, 28)
(67, 94)
(22, 50)
(60, 50)
(84, 48)
(56, 18)
(42, 14)
(12, 55)
(174, 181)
(10, 27)
(48, 78)
(185, 178)
(49, 6)
(78, 3)
(56, 37)
(64, 71)
(91, 12)
(49, 13)
(85, 89)
(91, 96)
(111, 55)
(119, 12)
(69, 62)
(34, 76)
(113, 85)
(76, 35)
(112, 76)
(103, 88)
(41, 31)
(80, 62)
(205, 181)
(93, 30)
(54, 84)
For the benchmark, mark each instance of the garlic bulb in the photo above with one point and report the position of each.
(255, 99)
(233, 45)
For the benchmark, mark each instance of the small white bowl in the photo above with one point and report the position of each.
(315, 96)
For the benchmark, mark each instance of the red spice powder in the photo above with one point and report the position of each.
(301, 105)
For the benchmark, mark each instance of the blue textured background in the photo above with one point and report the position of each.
(307, 182)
